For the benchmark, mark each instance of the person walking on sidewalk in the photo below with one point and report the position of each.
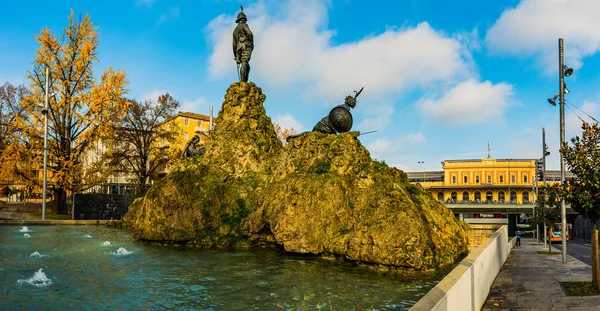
(518, 237)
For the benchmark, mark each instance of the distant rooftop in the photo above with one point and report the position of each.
(497, 160)
(429, 176)
(193, 115)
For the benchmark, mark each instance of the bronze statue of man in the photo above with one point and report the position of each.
(243, 44)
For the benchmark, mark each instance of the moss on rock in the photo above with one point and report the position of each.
(319, 194)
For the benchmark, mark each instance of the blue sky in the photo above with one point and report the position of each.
(441, 78)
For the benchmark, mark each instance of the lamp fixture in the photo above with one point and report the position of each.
(552, 101)
(568, 71)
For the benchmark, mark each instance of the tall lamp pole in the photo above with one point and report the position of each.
(562, 70)
(45, 113)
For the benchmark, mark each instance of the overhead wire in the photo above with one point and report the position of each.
(587, 114)
(575, 113)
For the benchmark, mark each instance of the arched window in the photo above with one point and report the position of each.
(477, 196)
(513, 197)
(465, 196)
(525, 178)
(440, 196)
(454, 196)
(488, 197)
(525, 197)
(501, 196)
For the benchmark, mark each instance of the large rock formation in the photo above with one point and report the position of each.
(319, 194)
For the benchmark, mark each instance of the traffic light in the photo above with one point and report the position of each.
(539, 168)
(546, 152)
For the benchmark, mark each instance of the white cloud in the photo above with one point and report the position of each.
(295, 46)
(377, 117)
(171, 15)
(380, 146)
(534, 26)
(469, 102)
(287, 121)
(153, 95)
(197, 106)
(572, 121)
(386, 146)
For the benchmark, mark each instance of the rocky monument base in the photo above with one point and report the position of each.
(320, 194)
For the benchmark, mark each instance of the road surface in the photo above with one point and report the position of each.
(579, 249)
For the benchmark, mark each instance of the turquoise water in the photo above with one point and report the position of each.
(102, 268)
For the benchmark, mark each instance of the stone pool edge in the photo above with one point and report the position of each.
(54, 222)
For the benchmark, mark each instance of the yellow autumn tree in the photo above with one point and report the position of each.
(81, 109)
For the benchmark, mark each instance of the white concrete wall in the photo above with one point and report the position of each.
(468, 285)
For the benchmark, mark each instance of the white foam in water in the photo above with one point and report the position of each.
(87, 236)
(36, 254)
(121, 252)
(25, 229)
(26, 235)
(106, 243)
(39, 279)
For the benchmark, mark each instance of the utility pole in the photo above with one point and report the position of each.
(45, 113)
(544, 170)
(561, 85)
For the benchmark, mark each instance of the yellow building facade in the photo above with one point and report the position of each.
(489, 180)
(189, 123)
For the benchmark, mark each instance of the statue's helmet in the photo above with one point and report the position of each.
(240, 16)
(350, 101)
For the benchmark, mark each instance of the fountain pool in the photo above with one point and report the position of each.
(100, 268)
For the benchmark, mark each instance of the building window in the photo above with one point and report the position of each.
(477, 196)
(489, 178)
(465, 179)
(488, 197)
(512, 178)
(525, 197)
(476, 179)
(186, 121)
(513, 197)
(454, 196)
(199, 123)
(441, 196)
(524, 179)
(465, 196)
(501, 179)
(185, 136)
(453, 179)
(501, 196)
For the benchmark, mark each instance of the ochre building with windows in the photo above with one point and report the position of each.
(189, 123)
(485, 181)
(487, 191)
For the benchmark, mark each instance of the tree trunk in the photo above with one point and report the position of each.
(595, 257)
(60, 196)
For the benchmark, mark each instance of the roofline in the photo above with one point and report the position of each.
(479, 160)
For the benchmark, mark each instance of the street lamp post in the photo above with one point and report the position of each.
(422, 168)
(45, 113)
(562, 71)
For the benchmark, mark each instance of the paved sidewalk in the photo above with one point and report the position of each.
(529, 281)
